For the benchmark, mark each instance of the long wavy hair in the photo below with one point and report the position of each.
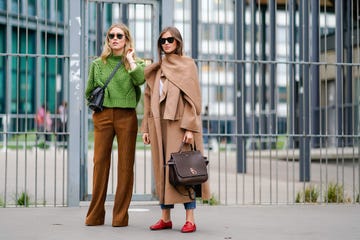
(178, 38)
(107, 51)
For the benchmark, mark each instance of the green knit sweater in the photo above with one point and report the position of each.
(123, 89)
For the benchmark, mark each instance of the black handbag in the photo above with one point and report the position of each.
(96, 98)
(187, 168)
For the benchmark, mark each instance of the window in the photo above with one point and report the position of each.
(22, 74)
(31, 7)
(2, 70)
(3, 4)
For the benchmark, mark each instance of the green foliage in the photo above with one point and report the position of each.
(357, 198)
(29, 136)
(334, 194)
(43, 145)
(310, 195)
(23, 200)
(281, 142)
(212, 201)
(2, 204)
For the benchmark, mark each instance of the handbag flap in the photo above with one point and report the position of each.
(189, 164)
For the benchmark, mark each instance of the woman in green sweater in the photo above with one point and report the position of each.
(117, 119)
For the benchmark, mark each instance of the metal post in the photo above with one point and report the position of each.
(99, 27)
(292, 79)
(125, 14)
(262, 87)
(241, 93)
(349, 76)
(253, 118)
(272, 121)
(167, 13)
(194, 29)
(76, 100)
(315, 83)
(339, 69)
(304, 116)
(8, 74)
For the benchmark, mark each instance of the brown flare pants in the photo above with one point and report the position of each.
(111, 122)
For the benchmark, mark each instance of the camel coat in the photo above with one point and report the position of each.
(168, 115)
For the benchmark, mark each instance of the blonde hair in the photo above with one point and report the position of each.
(107, 51)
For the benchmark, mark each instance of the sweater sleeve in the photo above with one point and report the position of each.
(90, 82)
(137, 74)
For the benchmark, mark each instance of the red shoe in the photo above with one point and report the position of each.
(188, 227)
(160, 225)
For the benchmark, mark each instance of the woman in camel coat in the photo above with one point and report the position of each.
(172, 115)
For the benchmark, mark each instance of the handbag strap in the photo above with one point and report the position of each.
(112, 74)
(191, 146)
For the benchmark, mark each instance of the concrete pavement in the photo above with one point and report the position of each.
(268, 222)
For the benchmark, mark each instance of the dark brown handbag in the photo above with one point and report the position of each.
(187, 168)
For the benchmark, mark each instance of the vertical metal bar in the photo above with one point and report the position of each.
(262, 75)
(290, 83)
(84, 49)
(240, 91)
(339, 42)
(252, 82)
(353, 102)
(339, 69)
(99, 27)
(292, 80)
(17, 80)
(315, 81)
(320, 111)
(76, 99)
(56, 98)
(325, 107)
(25, 61)
(272, 88)
(348, 84)
(357, 6)
(8, 85)
(222, 64)
(38, 81)
(65, 97)
(304, 161)
(259, 100)
(125, 13)
(167, 13)
(44, 88)
(194, 29)
(348, 119)
(356, 108)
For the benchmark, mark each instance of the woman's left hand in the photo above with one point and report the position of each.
(130, 55)
(188, 137)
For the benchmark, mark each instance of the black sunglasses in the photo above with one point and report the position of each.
(169, 40)
(118, 35)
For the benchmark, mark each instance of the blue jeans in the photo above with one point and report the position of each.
(187, 205)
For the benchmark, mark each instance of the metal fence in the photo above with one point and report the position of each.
(280, 90)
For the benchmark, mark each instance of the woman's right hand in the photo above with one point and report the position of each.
(146, 138)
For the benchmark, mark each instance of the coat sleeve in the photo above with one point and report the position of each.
(190, 120)
(144, 123)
